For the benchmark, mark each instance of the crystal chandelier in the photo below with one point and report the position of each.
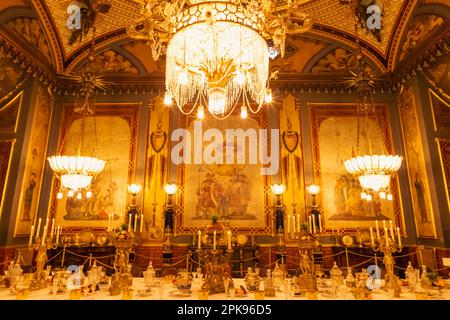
(374, 171)
(217, 52)
(77, 171)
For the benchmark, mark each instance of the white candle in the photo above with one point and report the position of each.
(298, 222)
(31, 235)
(135, 224)
(39, 227)
(289, 223)
(320, 224)
(314, 224)
(53, 227)
(44, 235)
(399, 238)
(229, 240)
(129, 222)
(214, 241)
(384, 224)
(378, 230)
(58, 231)
(142, 223)
(199, 239)
(310, 224)
(386, 236)
(391, 230)
(371, 237)
(293, 222)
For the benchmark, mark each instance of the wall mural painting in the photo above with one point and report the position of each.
(156, 172)
(444, 152)
(6, 148)
(334, 140)
(232, 192)
(11, 80)
(438, 76)
(415, 161)
(441, 111)
(34, 164)
(115, 133)
(9, 115)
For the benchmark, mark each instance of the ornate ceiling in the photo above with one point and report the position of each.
(327, 48)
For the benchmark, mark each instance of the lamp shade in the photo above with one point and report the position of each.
(170, 188)
(134, 188)
(278, 189)
(313, 189)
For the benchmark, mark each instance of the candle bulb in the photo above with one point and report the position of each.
(384, 224)
(214, 241)
(371, 237)
(142, 223)
(386, 236)
(53, 227)
(314, 224)
(298, 222)
(31, 235)
(129, 222)
(293, 222)
(58, 231)
(310, 224)
(199, 239)
(378, 230)
(391, 230)
(135, 224)
(39, 227)
(289, 223)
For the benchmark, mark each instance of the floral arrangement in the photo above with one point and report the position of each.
(122, 233)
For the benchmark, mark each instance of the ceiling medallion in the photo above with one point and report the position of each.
(217, 52)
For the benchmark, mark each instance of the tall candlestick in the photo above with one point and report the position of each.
(384, 224)
(298, 222)
(289, 223)
(214, 241)
(135, 223)
(229, 240)
(310, 224)
(129, 222)
(39, 227)
(142, 223)
(31, 235)
(199, 239)
(314, 224)
(391, 230)
(53, 227)
(293, 222)
(399, 237)
(320, 224)
(371, 237)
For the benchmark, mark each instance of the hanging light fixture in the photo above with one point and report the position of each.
(77, 171)
(374, 171)
(216, 50)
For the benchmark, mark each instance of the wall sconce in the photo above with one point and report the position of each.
(133, 208)
(314, 218)
(170, 189)
(278, 190)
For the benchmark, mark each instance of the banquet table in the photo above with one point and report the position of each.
(170, 293)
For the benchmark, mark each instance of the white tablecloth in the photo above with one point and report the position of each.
(169, 289)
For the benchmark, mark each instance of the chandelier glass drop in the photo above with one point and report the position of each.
(374, 171)
(217, 61)
(217, 53)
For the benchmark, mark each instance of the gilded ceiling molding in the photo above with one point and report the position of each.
(400, 27)
(338, 60)
(52, 35)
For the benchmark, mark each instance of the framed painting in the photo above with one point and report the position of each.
(334, 130)
(444, 155)
(6, 151)
(415, 162)
(114, 129)
(236, 193)
(34, 164)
